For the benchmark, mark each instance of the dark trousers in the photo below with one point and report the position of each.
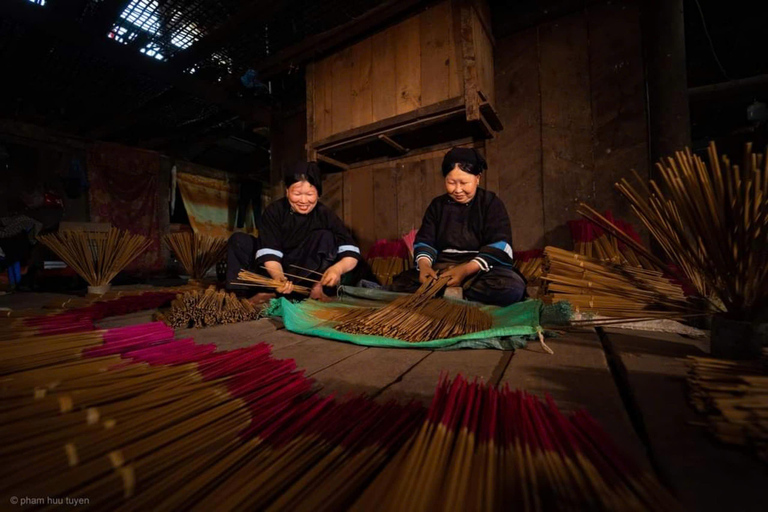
(317, 253)
(501, 286)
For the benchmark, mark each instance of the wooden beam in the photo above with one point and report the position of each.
(106, 15)
(127, 118)
(436, 110)
(315, 46)
(27, 134)
(399, 148)
(727, 89)
(47, 24)
(329, 160)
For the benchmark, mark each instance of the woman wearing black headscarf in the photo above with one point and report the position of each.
(296, 230)
(466, 233)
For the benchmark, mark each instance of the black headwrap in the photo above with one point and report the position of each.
(468, 160)
(304, 171)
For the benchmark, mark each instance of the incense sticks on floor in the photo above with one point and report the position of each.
(140, 421)
(208, 308)
(417, 317)
(734, 397)
(96, 257)
(612, 290)
(196, 252)
(485, 448)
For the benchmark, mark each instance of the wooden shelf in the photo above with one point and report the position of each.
(424, 82)
(401, 135)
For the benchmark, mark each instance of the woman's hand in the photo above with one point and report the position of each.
(426, 271)
(332, 276)
(459, 273)
(286, 288)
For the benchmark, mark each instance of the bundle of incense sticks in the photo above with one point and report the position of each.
(82, 319)
(249, 278)
(196, 252)
(734, 397)
(484, 448)
(388, 258)
(96, 257)
(529, 263)
(593, 241)
(710, 221)
(417, 317)
(611, 290)
(207, 308)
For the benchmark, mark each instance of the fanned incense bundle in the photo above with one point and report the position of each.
(197, 253)
(183, 426)
(249, 278)
(96, 257)
(712, 224)
(484, 448)
(734, 397)
(80, 319)
(612, 290)
(207, 308)
(145, 422)
(417, 317)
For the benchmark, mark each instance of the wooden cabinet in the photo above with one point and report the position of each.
(425, 81)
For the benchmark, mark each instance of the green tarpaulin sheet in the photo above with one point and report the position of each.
(512, 327)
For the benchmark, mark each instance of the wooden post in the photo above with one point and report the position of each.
(463, 22)
(664, 42)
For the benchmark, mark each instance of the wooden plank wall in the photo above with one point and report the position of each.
(484, 59)
(570, 94)
(385, 200)
(407, 66)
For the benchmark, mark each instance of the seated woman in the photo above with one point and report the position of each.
(295, 230)
(466, 233)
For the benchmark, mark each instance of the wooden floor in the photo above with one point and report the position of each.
(632, 382)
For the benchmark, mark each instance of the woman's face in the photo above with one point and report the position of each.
(460, 185)
(302, 196)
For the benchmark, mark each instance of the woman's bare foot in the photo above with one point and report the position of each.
(318, 294)
(261, 298)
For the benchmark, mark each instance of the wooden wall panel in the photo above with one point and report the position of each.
(566, 116)
(333, 193)
(361, 216)
(384, 205)
(408, 65)
(483, 58)
(409, 196)
(323, 99)
(362, 107)
(342, 73)
(514, 155)
(387, 200)
(618, 101)
(383, 88)
(438, 66)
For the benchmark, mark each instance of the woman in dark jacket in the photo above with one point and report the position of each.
(296, 230)
(467, 235)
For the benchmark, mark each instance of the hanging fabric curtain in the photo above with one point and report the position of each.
(210, 200)
(125, 192)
